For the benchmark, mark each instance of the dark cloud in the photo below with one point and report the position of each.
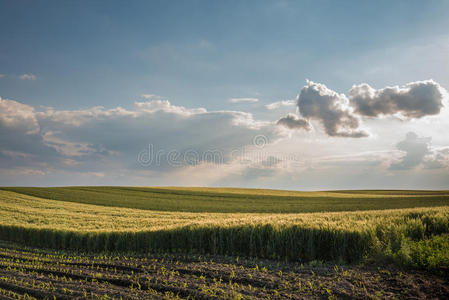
(414, 100)
(317, 102)
(292, 121)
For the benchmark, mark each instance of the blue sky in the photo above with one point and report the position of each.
(200, 53)
(77, 55)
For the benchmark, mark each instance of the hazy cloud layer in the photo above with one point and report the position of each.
(279, 104)
(292, 121)
(414, 100)
(415, 148)
(28, 77)
(439, 158)
(332, 110)
(197, 146)
(21, 143)
(81, 139)
(418, 152)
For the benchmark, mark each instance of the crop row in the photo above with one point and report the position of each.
(33, 273)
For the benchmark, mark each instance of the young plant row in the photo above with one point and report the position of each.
(45, 274)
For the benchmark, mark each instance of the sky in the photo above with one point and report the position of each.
(302, 95)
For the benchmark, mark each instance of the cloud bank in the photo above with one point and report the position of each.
(82, 139)
(157, 143)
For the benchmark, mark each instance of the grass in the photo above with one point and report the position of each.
(330, 236)
(431, 253)
(225, 200)
(29, 211)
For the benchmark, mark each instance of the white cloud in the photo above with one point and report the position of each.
(28, 77)
(166, 106)
(19, 116)
(243, 100)
(332, 110)
(152, 97)
(342, 117)
(279, 104)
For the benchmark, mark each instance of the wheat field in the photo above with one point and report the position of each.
(334, 236)
(233, 200)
